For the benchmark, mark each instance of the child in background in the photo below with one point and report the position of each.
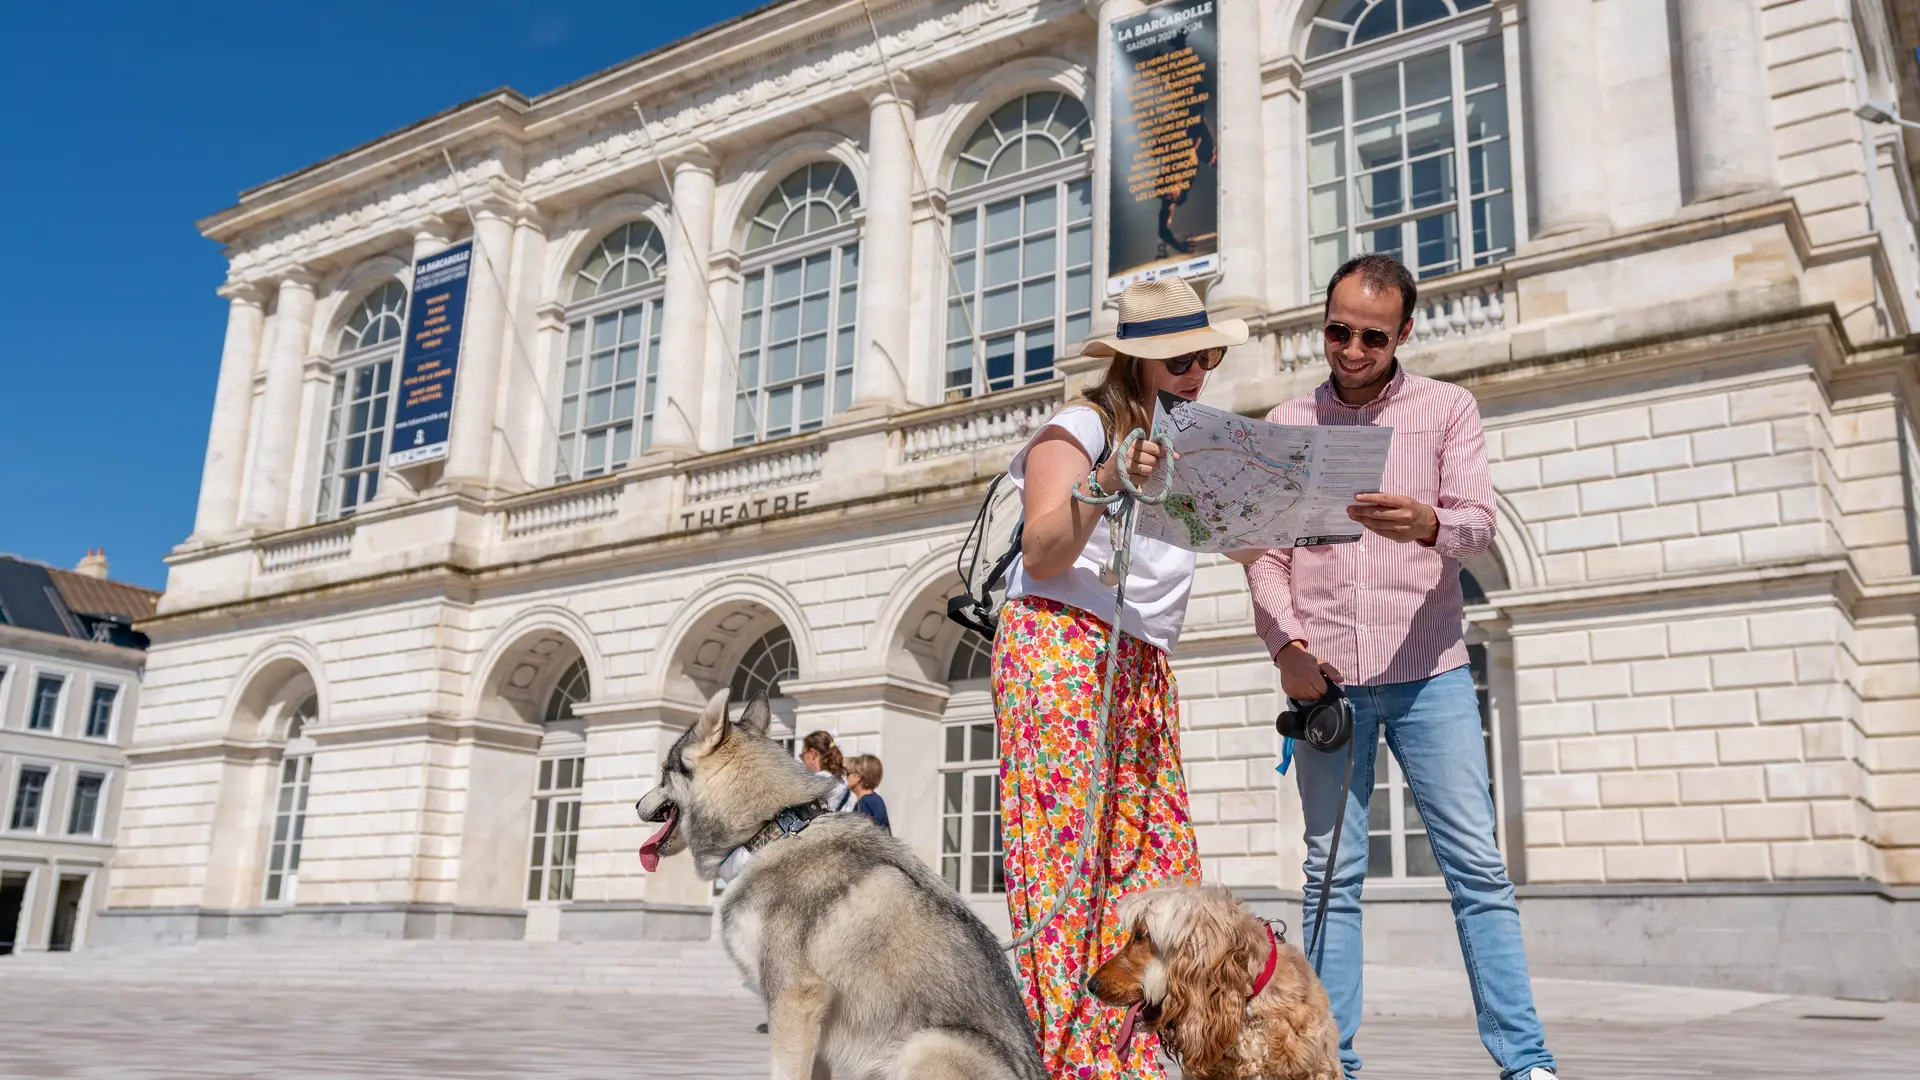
(863, 775)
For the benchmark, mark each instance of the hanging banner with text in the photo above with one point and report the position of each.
(436, 313)
(1163, 213)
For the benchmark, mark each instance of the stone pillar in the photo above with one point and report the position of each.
(1241, 289)
(280, 405)
(1730, 142)
(220, 494)
(1569, 191)
(886, 256)
(1106, 318)
(686, 312)
(476, 387)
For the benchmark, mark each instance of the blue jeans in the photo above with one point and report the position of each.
(1433, 729)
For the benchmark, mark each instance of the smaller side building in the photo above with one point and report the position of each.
(70, 665)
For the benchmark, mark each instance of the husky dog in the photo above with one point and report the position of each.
(870, 964)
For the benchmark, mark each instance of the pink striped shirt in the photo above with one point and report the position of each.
(1379, 611)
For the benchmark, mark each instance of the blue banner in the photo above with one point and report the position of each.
(436, 313)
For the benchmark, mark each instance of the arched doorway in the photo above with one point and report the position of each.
(765, 665)
(559, 782)
(290, 805)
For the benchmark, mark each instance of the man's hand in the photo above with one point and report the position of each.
(1396, 517)
(1303, 675)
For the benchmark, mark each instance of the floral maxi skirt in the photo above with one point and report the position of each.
(1047, 663)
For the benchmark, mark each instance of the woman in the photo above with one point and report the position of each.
(1046, 683)
(819, 753)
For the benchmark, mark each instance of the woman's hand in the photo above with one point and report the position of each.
(1144, 459)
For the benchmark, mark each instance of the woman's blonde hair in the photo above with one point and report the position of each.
(1120, 398)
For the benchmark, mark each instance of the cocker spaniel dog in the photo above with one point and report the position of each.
(1228, 999)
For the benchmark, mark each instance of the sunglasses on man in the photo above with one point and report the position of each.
(1208, 359)
(1339, 334)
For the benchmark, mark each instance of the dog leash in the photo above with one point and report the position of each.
(1316, 944)
(1121, 526)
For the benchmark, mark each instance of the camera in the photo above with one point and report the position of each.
(1325, 724)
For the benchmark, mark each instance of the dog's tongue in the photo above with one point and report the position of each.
(1126, 1026)
(650, 851)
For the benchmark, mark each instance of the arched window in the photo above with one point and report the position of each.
(766, 662)
(799, 294)
(613, 353)
(290, 805)
(1408, 151)
(971, 857)
(571, 689)
(1021, 236)
(360, 415)
(972, 660)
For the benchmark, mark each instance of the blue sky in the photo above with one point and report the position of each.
(127, 122)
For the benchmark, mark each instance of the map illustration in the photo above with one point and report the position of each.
(1242, 483)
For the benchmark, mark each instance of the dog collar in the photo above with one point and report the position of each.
(1273, 961)
(789, 822)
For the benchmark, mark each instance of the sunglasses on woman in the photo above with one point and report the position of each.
(1340, 334)
(1208, 359)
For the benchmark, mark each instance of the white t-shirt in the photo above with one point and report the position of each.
(1158, 582)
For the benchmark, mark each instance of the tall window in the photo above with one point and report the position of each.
(46, 703)
(100, 712)
(1021, 235)
(29, 791)
(290, 805)
(84, 814)
(1397, 845)
(1407, 137)
(971, 858)
(608, 386)
(556, 828)
(799, 294)
(360, 417)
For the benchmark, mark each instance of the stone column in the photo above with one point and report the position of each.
(280, 404)
(1730, 142)
(220, 494)
(685, 313)
(1106, 318)
(886, 256)
(1241, 289)
(476, 387)
(1569, 191)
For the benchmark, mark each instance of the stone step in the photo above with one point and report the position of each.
(695, 969)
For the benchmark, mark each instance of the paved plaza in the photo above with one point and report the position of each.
(62, 1027)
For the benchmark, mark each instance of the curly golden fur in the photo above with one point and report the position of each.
(1192, 954)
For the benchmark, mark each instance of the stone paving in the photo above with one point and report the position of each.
(73, 1028)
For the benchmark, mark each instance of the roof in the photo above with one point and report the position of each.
(59, 602)
(97, 596)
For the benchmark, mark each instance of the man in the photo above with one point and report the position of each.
(1383, 617)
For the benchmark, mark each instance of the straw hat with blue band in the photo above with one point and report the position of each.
(1163, 319)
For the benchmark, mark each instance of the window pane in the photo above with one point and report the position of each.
(1003, 265)
(952, 795)
(1420, 860)
(819, 272)
(1429, 78)
(956, 744)
(1376, 92)
(780, 362)
(813, 403)
(1079, 201)
(1042, 209)
(1431, 182)
(1326, 157)
(980, 740)
(1327, 208)
(1324, 108)
(813, 355)
(962, 232)
(1483, 63)
(1003, 221)
(1487, 115)
(1377, 144)
(1079, 246)
(813, 314)
(1002, 309)
(1487, 167)
(786, 281)
(1429, 129)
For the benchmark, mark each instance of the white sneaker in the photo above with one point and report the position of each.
(1541, 1074)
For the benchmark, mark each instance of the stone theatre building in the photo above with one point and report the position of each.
(722, 420)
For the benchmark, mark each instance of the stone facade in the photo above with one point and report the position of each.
(1696, 366)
